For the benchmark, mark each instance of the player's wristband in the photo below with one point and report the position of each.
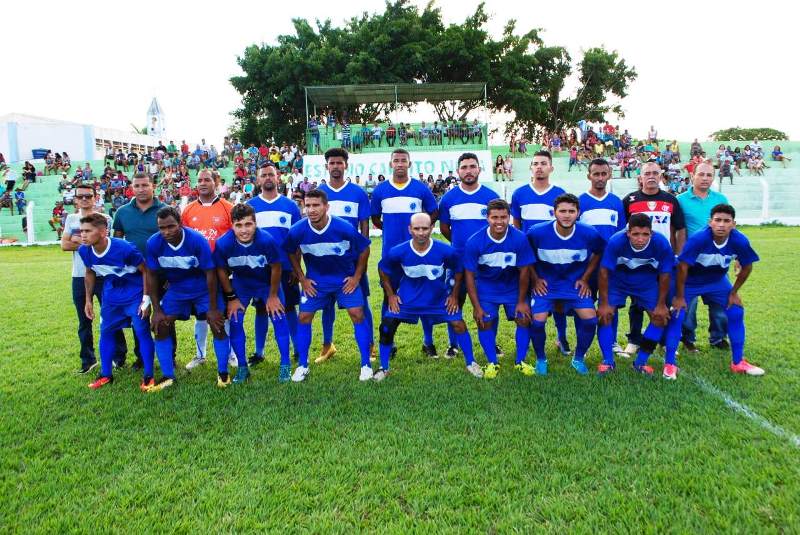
(229, 296)
(146, 302)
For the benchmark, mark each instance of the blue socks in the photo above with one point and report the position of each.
(385, 352)
(362, 332)
(222, 350)
(303, 342)
(452, 338)
(106, 346)
(652, 335)
(560, 319)
(538, 338)
(487, 340)
(164, 350)
(368, 318)
(291, 320)
(281, 329)
(465, 343)
(328, 317)
(673, 336)
(605, 339)
(261, 329)
(523, 338)
(586, 329)
(146, 347)
(238, 339)
(427, 332)
(736, 332)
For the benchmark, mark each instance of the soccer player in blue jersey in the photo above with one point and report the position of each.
(497, 264)
(532, 204)
(567, 252)
(703, 272)
(350, 202)
(393, 203)
(276, 214)
(462, 213)
(335, 255)
(121, 266)
(636, 263)
(183, 257)
(251, 255)
(423, 290)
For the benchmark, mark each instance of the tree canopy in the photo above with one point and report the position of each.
(748, 134)
(404, 44)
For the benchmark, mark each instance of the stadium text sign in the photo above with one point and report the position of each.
(428, 163)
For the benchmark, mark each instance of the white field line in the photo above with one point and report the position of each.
(746, 411)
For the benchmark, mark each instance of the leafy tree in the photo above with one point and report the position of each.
(748, 134)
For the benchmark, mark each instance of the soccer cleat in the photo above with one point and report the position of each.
(164, 382)
(242, 375)
(670, 372)
(300, 374)
(147, 384)
(86, 368)
(525, 369)
(366, 373)
(255, 359)
(451, 353)
(223, 380)
(491, 371)
(499, 351)
(380, 375)
(580, 367)
(644, 369)
(101, 382)
(690, 347)
(475, 369)
(747, 368)
(563, 347)
(630, 349)
(233, 362)
(619, 351)
(722, 345)
(325, 355)
(195, 362)
(284, 373)
(605, 369)
(541, 367)
(428, 351)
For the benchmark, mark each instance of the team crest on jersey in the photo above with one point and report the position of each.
(665, 208)
(282, 219)
(651, 205)
(484, 212)
(413, 206)
(348, 209)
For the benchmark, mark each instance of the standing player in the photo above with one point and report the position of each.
(335, 255)
(393, 203)
(567, 252)
(703, 272)
(497, 264)
(637, 263)
(124, 303)
(251, 256)
(350, 202)
(210, 215)
(276, 214)
(183, 257)
(423, 290)
(462, 213)
(532, 204)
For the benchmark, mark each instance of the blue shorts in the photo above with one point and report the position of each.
(248, 296)
(440, 316)
(717, 292)
(291, 292)
(492, 310)
(541, 304)
(326, 295)
(116, 317)
(646, 298)
(181, 308)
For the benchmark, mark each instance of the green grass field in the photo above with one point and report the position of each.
(431, 449)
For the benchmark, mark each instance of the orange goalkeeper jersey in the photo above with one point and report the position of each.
(211, 220)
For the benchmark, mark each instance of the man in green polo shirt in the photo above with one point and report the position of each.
(696, 203)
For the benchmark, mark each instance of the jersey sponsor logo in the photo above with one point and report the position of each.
(600, 217)
(537, 212)
(401, 205)
(178, 262)
(428, 271)
(634, 263)
(715, 259)
(253, 262)
(498, 260)
(562, 256)
(326, 248)
(104, 270)
(343, 208)
(468, 210)
(273, 218)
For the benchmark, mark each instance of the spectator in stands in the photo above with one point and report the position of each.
(652, 136)
(436, 134)
(28, 172)
(779, 156)
(49, 164)
(10, 178)
(422, 134)
(3, 163)
(313, 127)
(508, 167)
(573, 157)
(377, 134)
(19, 200)
(68, 195)
(88, 174)
(6, 201)
(391, 134)
(57, 219)
(755, 146)
(346, 135)
(499, 168)
(66, 163)
(476, 132)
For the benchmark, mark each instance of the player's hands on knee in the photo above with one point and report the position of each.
(233, 308)
(275, 307)
(393, 302)
(523, 311)
(733, 299)
(451, 304)
(308, 287)
(215, 320)
(606, 313)
(480, 317)
(156, 320)
(144, 307)
(678, 303)
(660, 315)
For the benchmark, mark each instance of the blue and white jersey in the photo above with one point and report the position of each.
(396, 204)
(465, 212)
(709, 262)
(531, 207)
(606, 214)
(184, 265)
(118, 265)
(561, 261)
(330, 254)
(276, 217)
(496, 264)
(351, 203)
(637, 269)
(425, 277)
(249, 264)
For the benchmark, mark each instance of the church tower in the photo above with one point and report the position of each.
(155, 120)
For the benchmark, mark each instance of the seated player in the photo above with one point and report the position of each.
(121, 266)
(567, 252)
(703, 272)
(636, 263)
(251, 256)
(183, 257)
(424, 292)
(335, 255)
(497, 268)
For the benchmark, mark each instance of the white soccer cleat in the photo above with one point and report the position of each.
(618, 351)
(366, 373)
(233, 361)
(195, 362)
(630, 350)
(475, 370)
(380, 375)
(300, 374)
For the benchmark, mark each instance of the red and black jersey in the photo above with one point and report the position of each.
(663, 208)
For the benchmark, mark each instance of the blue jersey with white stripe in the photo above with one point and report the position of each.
(183, 265)
(351, 203)
(709, 262)
(465, 212)
(531, 207)
(637, 269)
(330, 254)
(276, 217)
(424, 277)
(561, 261)
(496, 264)
(606, 214)
(118, 265)
(396, 204)
(248, 263)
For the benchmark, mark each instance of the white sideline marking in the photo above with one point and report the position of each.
(747, 411)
